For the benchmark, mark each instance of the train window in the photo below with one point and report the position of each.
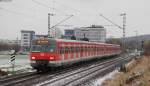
(72, 49)
(66, 50)
(85, 49)
(81, 49)
(76, 49)
(61, 50)
(69, 50)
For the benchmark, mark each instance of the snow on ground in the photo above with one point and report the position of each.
(99, 81)
(22, 63)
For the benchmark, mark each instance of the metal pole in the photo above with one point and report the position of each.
(123, 28)
(49, 24)
(49, 27)
(124, 32)
(136, 37)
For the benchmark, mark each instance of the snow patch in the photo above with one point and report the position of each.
(98, 82)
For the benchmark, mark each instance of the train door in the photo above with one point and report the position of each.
(58, 51)
(74, 50)
(66, 52)
(93, 50)
(62, 52)
(90, 50)
(96, 51)
(86, 51)
(71, 52)
(101, 50)
(81, 51)
(77, 55)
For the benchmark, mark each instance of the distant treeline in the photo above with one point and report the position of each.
(5, 47)
(133, 44)
(147, 48)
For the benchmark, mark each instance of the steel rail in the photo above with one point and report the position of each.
(29, 79)
(16, 76)
(58, 78)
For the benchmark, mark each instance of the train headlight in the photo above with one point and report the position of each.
(32, 57)
(51, 58)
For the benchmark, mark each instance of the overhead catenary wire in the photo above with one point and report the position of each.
(62, 21)
(111, 21)
(48, 7)
(77, 11)
(14, 12)
(52, 8)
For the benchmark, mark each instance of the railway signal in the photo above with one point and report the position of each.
(12, 59)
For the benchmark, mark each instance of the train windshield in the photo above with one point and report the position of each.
(43, 46)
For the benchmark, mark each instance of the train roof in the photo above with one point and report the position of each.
(77, 41)
(65, 40)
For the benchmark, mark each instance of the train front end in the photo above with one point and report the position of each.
(43, 54)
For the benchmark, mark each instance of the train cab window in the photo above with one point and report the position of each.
(43, 46)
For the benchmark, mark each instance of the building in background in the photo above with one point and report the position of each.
(69, 33)
(11, 42)
(94, 33)
(26, 38)
(40, 36)
(55, 32)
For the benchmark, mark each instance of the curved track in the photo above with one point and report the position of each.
(67, 76)
(74, 77)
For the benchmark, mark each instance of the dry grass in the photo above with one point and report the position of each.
(142, 65)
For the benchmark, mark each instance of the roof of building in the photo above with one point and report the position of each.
(27, 31)
(95, 26)
(41, 35)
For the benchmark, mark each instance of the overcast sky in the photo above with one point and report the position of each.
(18, 15)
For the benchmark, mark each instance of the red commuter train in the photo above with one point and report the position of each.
(48, 52)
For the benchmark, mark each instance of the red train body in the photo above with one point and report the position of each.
(57, 52)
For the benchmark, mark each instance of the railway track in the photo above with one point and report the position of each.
(54, 78)
(76, 77)
(7, 81)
